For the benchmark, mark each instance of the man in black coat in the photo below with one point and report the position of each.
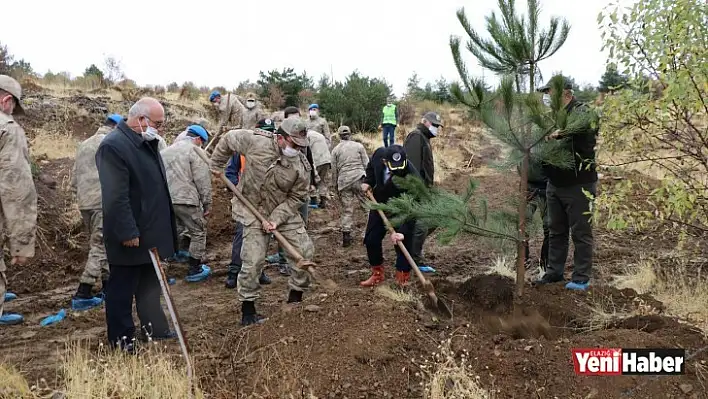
(137, 216)
(568, 204)
(385, 163)
(420, 154)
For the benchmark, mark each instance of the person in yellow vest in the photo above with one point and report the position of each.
(389, 122)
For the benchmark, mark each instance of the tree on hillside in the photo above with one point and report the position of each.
(17, 69)
(95, 72)
(5, 60)
(521, 123)
(659, 120)
(517, 43)
(113, 70)
(612, 80)
(289, 83)
(356, 102)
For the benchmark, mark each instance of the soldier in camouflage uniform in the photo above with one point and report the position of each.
(252, 112)
(229, 110)
(275, 181)
(322, 159)
(319, 124)
(18, 214)
(87, 190)
(349, 162)
(189, 182)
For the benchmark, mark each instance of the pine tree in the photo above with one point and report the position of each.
(523, 124)
(517, 43)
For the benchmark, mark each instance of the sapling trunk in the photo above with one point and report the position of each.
(521, 242)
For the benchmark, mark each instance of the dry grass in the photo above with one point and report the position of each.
(446, 377)
(396, 295)
(110, 374)
(683, 292)
(506, 267)
(53, 145)
(13, 385)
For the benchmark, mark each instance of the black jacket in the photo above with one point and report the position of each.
(375, 177)
(136, 199)
(419, 152)
(582, 145)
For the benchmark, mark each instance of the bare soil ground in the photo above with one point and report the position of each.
(354, 342)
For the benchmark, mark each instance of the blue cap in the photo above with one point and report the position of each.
(199, 131)
(314, 106)
(214, 94)
(116, 118)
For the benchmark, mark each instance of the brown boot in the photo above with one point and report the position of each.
(402, 278)
(377, 277)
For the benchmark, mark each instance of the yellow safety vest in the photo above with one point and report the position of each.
(389, 114)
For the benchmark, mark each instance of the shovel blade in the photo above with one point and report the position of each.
(308, 265)
(439, 306)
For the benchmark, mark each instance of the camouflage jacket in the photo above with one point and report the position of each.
(188, 176)
(320, 148)
(18, 197)
(252, 116)
(320, 125)
(230, 112)
(84, 177)
(276, 185)
(349, 162)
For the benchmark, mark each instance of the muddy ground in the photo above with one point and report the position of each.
(353, 342)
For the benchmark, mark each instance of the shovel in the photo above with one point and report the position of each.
(437, 304)
(302, 263)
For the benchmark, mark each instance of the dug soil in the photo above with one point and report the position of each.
(353, 342)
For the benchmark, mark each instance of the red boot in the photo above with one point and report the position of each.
(402, 278)
(377, 277)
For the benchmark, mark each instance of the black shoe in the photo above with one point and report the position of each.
(548, 279)
(263, 279)
(284, 269)
(347, 239)
(294, 296)
(249, 315)
(84, 291)
(231, 280)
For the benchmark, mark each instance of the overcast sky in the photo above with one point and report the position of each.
(223, 42)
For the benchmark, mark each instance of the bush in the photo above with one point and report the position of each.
(356, 102)
(173, 87)
(189, 91)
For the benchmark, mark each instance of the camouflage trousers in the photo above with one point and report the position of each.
(191, 222)
(253, 253)
(323, 186)
(96, 265)
(351, 197)
(3, 285)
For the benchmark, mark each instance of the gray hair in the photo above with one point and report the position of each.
(142, 107)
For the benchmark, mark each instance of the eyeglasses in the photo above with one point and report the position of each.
(158, 124)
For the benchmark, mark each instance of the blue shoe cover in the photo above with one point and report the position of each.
(274, 259)
(577, 286)
(80, 304)
(53, 319)
(171, 281)
(9, 296)
(9, 319)
(201, 276)
(313, 206)
(426, 269)
(181, 256)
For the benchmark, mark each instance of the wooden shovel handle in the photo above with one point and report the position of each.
(402, 247)
(283, 242)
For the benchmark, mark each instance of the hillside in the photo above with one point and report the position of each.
(353, 342)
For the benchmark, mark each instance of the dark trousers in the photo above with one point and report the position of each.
(373, 239)
(420, 233)
(389, 134)
(568, 211)
(124, 283)
(538, 203)
(235, 265)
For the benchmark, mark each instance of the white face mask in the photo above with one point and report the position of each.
(546, 99)
(150, 133)
(290, 152)
(250, 104)
(433, 130)
(313, 113)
